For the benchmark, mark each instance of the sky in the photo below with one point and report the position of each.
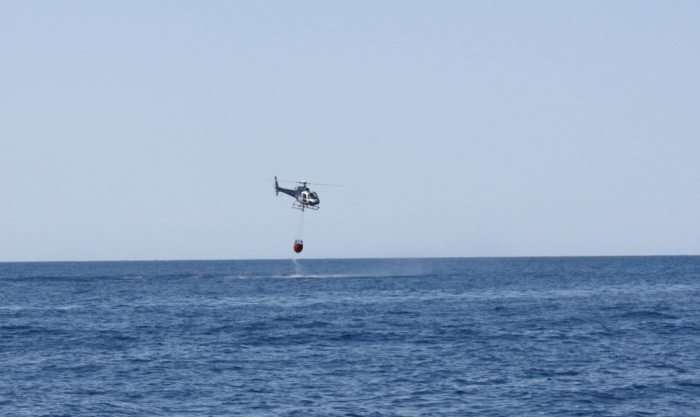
(134, 130)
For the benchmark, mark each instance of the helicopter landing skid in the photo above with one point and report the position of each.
(299, 206)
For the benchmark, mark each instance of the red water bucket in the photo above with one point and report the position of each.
(298, 246)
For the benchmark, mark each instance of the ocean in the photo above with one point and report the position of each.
(590, 336)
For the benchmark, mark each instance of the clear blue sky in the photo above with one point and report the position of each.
(146, 130)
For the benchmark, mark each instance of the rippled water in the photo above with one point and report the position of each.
(482, 337)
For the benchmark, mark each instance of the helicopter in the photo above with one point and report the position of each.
(303, 196)
(303, 199)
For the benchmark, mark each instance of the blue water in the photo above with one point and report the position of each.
(408, 337)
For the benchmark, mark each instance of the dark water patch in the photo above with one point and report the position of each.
(695, 384)
(651, 315)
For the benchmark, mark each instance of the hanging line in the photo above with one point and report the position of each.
(300, 227)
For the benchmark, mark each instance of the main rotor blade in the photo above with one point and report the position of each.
(325, 185)
(291, 182)
(305, 182)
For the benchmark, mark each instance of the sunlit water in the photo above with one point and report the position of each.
(458, 337)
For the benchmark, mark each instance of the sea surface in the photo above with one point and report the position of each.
(382, 337)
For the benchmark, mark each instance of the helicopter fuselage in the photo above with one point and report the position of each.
(304, 197)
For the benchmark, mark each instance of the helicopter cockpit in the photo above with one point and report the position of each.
(309, 197)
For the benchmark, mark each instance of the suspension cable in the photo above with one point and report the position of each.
(300, 227)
